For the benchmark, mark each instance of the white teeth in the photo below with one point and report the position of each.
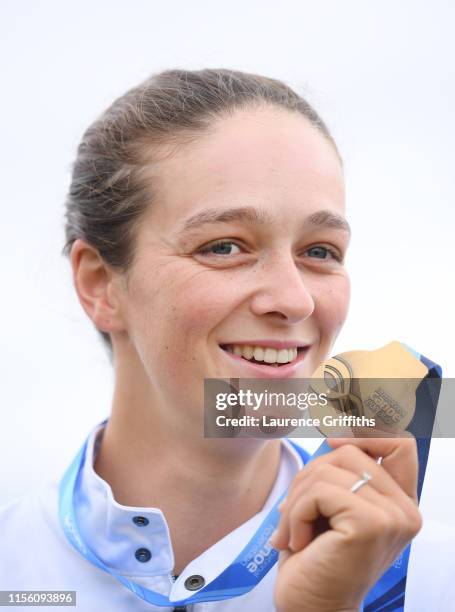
(258, 352)
(248, 352)
(270, 355)
(266, 354)
(284, 355)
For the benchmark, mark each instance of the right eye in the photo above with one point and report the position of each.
(221, 248)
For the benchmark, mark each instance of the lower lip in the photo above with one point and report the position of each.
(267, 371)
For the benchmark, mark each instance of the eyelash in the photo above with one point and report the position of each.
(205, 250)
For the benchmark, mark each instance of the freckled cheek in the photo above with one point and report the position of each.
(333, 305)
(201, 314)
(187, 318)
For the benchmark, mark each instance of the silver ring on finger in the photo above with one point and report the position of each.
(366, 477)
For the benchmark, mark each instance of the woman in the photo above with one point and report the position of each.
(206, 232)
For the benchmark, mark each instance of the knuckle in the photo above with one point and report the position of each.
(301, 474)
(297, 493)
(413, 520)
(413, 523)
(349, 452)
(320, 471)
(294, 514)
(400, 524)
(316, 473)
(317, 488)
(382, 524)
(409, 445)
(297, 481)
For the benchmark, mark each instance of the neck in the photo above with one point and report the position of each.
(194, 481)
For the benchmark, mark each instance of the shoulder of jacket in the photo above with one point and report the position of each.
(28, 511)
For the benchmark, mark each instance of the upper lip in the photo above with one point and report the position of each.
(276, 344)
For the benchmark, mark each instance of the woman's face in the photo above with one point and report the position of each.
(242, 247)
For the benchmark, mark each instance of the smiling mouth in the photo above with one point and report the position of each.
(266, 356)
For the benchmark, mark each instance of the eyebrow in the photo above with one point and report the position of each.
(259, 216)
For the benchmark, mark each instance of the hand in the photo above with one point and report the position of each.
(335, 544)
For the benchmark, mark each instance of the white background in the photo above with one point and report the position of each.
(380, 72)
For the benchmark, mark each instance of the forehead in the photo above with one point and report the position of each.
(263, 157)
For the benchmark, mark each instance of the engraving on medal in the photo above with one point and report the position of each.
(385, 407)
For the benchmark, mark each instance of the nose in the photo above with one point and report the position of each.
(284, 293)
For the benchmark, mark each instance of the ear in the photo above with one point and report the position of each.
(95, 286)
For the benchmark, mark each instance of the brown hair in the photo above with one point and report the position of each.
(106, 198)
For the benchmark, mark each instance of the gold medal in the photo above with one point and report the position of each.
(379, 386)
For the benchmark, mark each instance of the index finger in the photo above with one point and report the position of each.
(399, 457)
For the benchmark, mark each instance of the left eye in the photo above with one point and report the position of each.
(225, 247)
(320, 252)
